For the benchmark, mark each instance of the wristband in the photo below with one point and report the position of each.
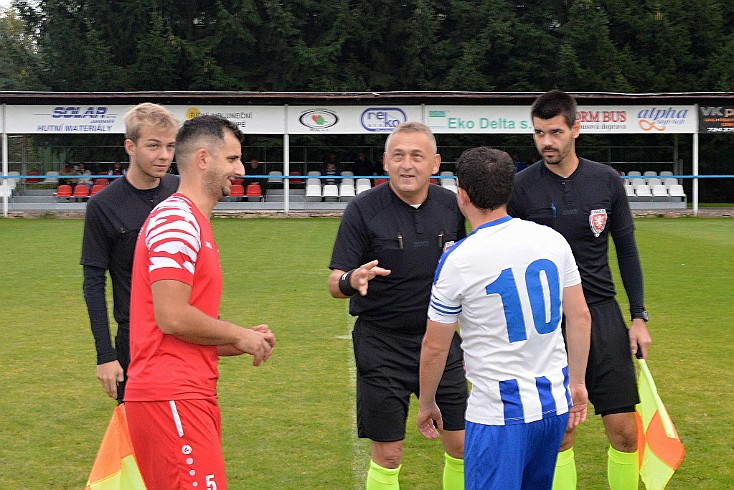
(345, 286)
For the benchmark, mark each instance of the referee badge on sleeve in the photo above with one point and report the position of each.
(598, 221)
(448, 245)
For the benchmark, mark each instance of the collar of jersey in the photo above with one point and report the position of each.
(496, 222)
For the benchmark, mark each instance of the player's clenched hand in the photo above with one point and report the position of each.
(364, 274)
(109, 374)
(428, 419)
(580, 398)
(258, 341)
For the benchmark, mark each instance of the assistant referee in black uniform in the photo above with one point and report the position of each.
(111, 224)
(385, 255)
(585, 201)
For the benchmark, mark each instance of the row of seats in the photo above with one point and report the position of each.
(649, 173)
(80, 191)
(652, 181)
(655, 192)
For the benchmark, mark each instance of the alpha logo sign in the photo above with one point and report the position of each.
(318, 119)
(716, 119)
(382, 119)
(654, 119)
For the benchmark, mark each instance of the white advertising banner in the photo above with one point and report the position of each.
(250, 119)
(349, 119)
(65, 119)
(457, 119)
(593, 119)
(464, 119)
(652, 119)
(84, 119)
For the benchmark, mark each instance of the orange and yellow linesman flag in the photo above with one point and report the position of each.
(115, 467)
(659, 446)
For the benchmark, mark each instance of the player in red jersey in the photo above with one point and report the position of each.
(176, 336)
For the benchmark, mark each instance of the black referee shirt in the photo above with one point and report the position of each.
(377, 224)
(111, 225)
(585, 208)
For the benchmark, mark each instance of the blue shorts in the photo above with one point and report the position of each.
(507, 457)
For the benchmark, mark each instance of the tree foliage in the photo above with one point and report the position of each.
(368, 45)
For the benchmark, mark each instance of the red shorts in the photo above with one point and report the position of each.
(178, 444)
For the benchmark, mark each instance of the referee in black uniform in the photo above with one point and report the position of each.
(111, 224)
(585, 201)
(385, 255)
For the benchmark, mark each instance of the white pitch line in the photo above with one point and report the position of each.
(360, 450)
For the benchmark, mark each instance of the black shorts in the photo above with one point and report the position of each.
(387, 373)
(610, 373)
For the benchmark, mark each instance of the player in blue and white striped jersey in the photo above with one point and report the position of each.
(507, 286)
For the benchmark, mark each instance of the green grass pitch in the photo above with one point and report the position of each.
(290, 423)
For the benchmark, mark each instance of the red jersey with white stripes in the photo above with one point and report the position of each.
(175, 243)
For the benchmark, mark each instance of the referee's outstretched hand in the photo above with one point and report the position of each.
(364, 274)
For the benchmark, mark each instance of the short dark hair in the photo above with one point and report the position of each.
(487, 175)
(203, 131)
(553, 103)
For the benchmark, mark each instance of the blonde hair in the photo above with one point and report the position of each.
(148, 114)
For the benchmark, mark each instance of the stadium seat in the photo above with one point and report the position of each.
(643, 190)
(629, 190)
(5, 190)
(362, 185)
(637, 182)
(81, 191)
(96, 188)
(13, 183)
(448, 182)
(63, 191)
(296, 181)
(670, 181)
(659, 191)
(275, 179)
(238, 181)
(330, 192)
(346, 191)
(435, 181)
(634, 173)
(446, 173)
(451, 187)
(380, 181)
(314, 173)
(101, 181)
(665, 173)
(237, 190)
(253, 192)
(676, 190)
(653, 181)
(52, 177)
(313, 190)
(347, 173)
(649, 173)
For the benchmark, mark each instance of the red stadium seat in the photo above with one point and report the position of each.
(380, 181)
(96, 188)
(237, 190)
(101, 181)
(237, 181)
(253, 190)
(64, 190)
(81, 191)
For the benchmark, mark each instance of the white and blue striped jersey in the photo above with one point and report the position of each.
(504, 285)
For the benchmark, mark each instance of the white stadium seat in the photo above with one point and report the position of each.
(346, 191)
(649, 173)
(659, 190)
(643, 190)
(330, 192)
